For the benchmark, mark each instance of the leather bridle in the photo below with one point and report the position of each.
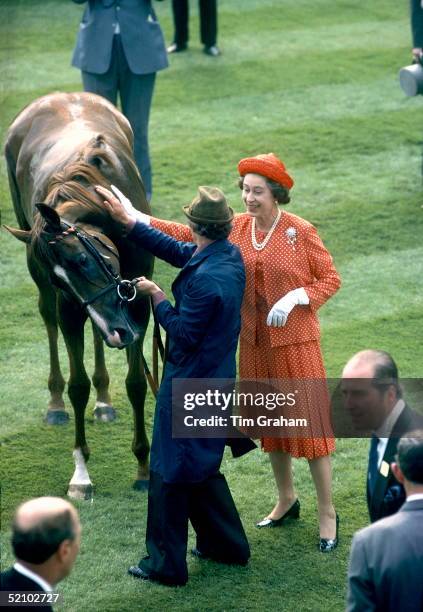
(125, 288)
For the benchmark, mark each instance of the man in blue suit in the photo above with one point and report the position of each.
(119, 48)
(386, 562)
(373, 396)
(203, 329)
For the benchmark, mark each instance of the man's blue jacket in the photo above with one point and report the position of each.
(203, 329)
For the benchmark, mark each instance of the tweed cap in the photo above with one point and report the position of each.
(209, 206)
(267, 165)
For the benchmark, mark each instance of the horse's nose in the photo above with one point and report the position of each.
(127, 336)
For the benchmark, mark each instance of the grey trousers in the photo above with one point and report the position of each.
(136, 94)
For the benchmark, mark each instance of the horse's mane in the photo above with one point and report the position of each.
(71, 192)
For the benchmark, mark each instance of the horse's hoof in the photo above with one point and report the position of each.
(140, 485)
(80, 491)
(56, 417)
(104, 413)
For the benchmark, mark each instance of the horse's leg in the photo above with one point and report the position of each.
(103, 410)
(136, 388)
(56, 413)
(72, 320)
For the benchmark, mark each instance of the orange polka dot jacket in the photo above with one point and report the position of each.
(295, 256)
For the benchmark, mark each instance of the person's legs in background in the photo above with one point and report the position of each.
(136, 94)
(208, 26)
(180, 11)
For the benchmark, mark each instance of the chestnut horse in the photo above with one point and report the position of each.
(57, 149)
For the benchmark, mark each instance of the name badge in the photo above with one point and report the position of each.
(384, 468)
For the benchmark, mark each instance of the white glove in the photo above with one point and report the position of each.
(127, 204)
(278, 314)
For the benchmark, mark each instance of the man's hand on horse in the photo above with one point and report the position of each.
(116, 209)
(121, 209)
(147, 287)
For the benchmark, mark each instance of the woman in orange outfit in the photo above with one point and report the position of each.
(289, 275)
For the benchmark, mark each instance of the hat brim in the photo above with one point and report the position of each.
(263, 167)
(203, 221)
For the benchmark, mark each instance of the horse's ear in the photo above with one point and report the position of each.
(50, 216)
(22, 235)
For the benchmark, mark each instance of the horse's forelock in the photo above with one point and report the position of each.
(70, 190)
(76, 184)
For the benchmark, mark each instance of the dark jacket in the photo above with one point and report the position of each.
(386, 563)
(14, 582)
(203, 329)
(388, 494)
(140, 32)
(417, 23)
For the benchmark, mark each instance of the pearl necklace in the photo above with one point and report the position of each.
(259, 246)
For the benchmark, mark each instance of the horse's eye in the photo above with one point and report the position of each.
(82, 260)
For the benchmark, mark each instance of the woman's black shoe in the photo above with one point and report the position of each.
(292, 512)
(327, 545)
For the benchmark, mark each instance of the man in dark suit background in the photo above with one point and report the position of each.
(119, 48)
(373, 396)
(46, 535)
(386, 561)
(417, 28)
(208, 26)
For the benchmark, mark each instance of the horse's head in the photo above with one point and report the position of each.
(85, 265)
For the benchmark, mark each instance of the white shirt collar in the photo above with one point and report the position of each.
(415, 496)
(32, 576)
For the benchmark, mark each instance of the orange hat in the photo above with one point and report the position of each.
(267, 165)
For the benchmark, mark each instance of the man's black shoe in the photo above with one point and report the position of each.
(213, 51)
(137, 572)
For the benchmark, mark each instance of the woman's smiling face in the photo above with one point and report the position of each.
(257, 197)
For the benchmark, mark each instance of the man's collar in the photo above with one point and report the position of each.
(32, 576)
(213, 247)
(384, 431)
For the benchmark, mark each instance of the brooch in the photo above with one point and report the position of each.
(291, 234)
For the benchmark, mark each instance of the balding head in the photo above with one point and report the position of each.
(40, 526)
(42, 509)
(370, 387)
(375, 365)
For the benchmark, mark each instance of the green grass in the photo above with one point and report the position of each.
(315, 82)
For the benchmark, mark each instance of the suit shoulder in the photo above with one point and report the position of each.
(407, 421)
(11, 579)
(380, 530)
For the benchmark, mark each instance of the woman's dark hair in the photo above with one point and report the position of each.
(212, 231)
(40, 542)
(280, 193)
